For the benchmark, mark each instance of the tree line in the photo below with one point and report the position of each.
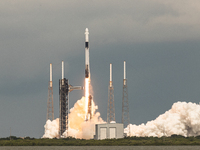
(126, 141)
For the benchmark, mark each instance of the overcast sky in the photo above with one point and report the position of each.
(158, 39)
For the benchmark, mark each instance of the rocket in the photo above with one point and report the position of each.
(87, 63)
(88, 96)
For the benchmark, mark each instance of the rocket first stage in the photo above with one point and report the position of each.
(88, 96)
(87, 63)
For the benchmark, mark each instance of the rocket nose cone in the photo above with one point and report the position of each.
(86, 30)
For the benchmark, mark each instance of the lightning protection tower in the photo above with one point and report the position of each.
(64, 89)
(125, 108)
(111, 104)
(50, 110)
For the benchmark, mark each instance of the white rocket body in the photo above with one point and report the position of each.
(87, 63)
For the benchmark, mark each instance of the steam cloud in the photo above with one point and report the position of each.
(78, 127)
(182, 119)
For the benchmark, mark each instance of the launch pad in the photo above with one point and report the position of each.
(65, 88)
(87, 109)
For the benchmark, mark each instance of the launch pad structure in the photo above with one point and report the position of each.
(64, 105)
(64, 89)
(111, 104)
(50, 109)
(125, 108)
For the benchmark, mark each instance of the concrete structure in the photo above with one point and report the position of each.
(109, 131)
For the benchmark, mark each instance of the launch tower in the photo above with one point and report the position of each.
(50, 110)
(64, 89)
(63, 103)
(125, 108)
(111, 104)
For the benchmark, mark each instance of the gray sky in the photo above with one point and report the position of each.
(158, 39)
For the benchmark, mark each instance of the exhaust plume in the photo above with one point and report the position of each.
(78, 127)
(182, 119)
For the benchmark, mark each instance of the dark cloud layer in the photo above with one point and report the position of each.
(159, 41)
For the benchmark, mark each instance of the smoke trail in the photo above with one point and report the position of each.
(182, 119)
(78, 128)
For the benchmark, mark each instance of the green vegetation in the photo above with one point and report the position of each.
(127, 141)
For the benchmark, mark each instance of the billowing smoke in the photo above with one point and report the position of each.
(182, 119)
(78, 127)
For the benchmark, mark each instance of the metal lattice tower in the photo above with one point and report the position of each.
(64, 101)
(50, 110)
(111, 104)
(64, 89)
(125, 108)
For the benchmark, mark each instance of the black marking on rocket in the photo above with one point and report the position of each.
(86, 71)
(86, 44)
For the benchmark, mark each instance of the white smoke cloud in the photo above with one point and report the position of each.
(51, 129)
(182, 119)
(78, 127)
